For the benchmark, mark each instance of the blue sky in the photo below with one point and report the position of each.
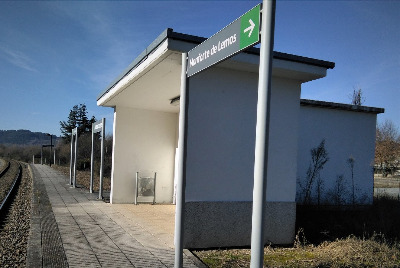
(54, 55)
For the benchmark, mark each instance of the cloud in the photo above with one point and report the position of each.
(17, 58)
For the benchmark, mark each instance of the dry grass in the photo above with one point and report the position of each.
(336, 237)
(348, 252)
(83, 178)
(355, 252)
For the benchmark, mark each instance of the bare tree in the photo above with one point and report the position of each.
(319, 157)
(351, 162)
(339, 191)
(320, 188)
(357, 98)
(387, 147)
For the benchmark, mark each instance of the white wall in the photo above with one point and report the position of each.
(221, 136)
(144, 141)
(347, 134)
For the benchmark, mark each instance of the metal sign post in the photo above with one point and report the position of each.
(72, 165)
(71, 159)
(98, 126)
(262, 134)
(180, 184)
(237, 36)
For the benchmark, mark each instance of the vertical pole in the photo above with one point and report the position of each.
(92, 162)
(180, 187)
(41, 156)
(136, 190)
(154, 188)
(71, 158)
(33, 159)
(76, 149)
(51, 147)
(262, 133)
(103, 133)
(54, 157)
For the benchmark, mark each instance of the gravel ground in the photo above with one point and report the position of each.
(2, 163)
(14, 230)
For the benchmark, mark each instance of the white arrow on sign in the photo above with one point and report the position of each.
(250, 28)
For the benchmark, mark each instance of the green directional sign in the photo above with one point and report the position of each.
(240, 34)
(250, 28)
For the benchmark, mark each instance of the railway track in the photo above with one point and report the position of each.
(10, 176)
(15, 212)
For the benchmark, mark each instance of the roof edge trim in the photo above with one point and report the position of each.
(169, 33)
(139, 59)
(341, 106)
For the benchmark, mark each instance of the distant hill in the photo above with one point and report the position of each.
(25, 137)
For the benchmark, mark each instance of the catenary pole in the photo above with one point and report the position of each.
(180, 187)
(262, 133)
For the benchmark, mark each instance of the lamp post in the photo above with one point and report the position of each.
(51, 145)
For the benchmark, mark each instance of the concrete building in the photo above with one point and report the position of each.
(221, 137)
(349, 133)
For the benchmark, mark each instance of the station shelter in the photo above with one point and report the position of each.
(221, 138)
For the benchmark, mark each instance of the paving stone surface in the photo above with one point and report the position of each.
(78, 230)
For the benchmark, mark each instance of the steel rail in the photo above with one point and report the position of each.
(11, 190)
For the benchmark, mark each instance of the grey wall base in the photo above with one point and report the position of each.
(228, 224)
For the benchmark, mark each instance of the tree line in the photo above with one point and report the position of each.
(77, 118)
(24, 137)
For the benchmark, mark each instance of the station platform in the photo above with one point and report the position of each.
(71, 227)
